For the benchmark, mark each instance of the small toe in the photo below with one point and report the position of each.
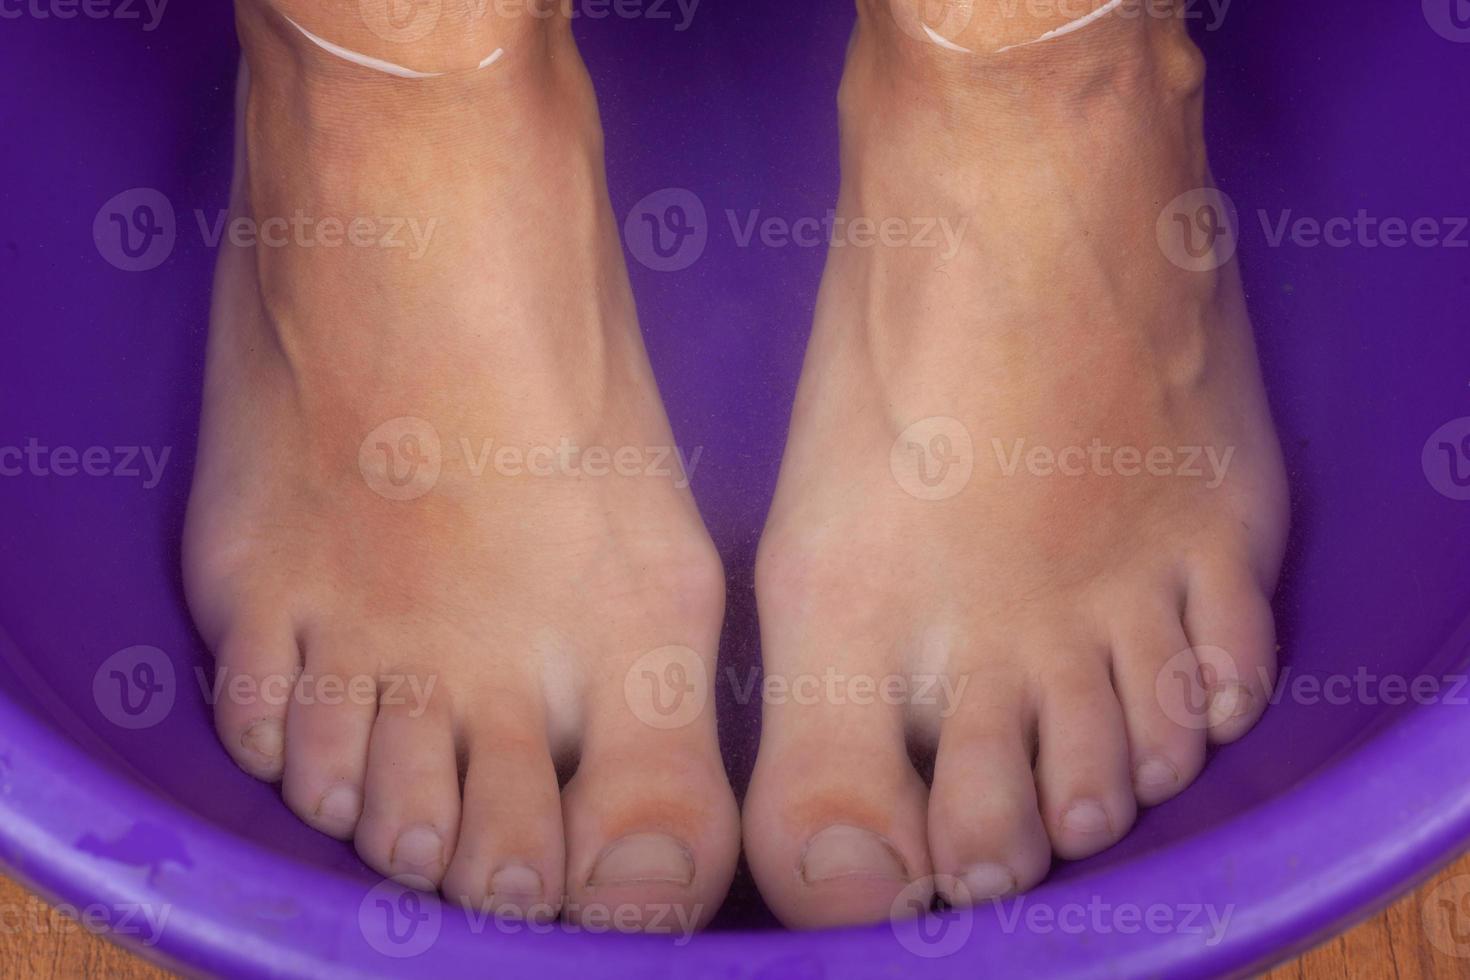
(256, 664)
(330, 723)
(411, 800)
(1155, 677)
(510, 857)
(1082, 767)
(1232, 631)
(986, 834)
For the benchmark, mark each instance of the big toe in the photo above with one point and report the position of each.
(834, 822)
(651, 824)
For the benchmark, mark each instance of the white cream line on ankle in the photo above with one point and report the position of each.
(378, 64)
(1066, 29)
(943, 41)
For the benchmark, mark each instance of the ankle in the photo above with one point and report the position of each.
(1029, 55)
(500, 77)
(371, 40)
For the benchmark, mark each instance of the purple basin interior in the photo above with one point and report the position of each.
(1325, 811)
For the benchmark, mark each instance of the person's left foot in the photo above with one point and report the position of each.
(436, 527)
(1032, 508)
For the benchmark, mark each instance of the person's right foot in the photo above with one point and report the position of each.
(385, 489)
(1066, 627)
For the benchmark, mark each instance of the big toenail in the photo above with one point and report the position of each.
(1228, 702)
(987, 881)
(1156, 774)
(1087, 817)
(419, 848)
(266, 738)
(515, 890)
(342, 804)
(643, 858)
(841, 851)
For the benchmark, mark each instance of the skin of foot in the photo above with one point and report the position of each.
(1063, 633)
(427, 641)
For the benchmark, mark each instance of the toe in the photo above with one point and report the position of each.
(652, 830)
(835, 816)
(256, 664)
(1232, 631)
(1156, 680)
(330, 721)
(510, 855)
(410, 813)
(1082, 772)
(986, 835)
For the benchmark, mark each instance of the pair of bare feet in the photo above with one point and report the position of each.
(459, 645)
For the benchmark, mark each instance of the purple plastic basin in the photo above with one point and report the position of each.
(116, 798)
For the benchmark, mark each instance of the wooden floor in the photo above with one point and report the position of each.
(1423, 937)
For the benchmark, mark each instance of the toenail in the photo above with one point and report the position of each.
(342, 804)
(1086, 817)
(419, 848)
(1156, 774)
(1228, 702)
(987, 881)
(515, 890)
(266, 738)
(841, 851)
(640, 858)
